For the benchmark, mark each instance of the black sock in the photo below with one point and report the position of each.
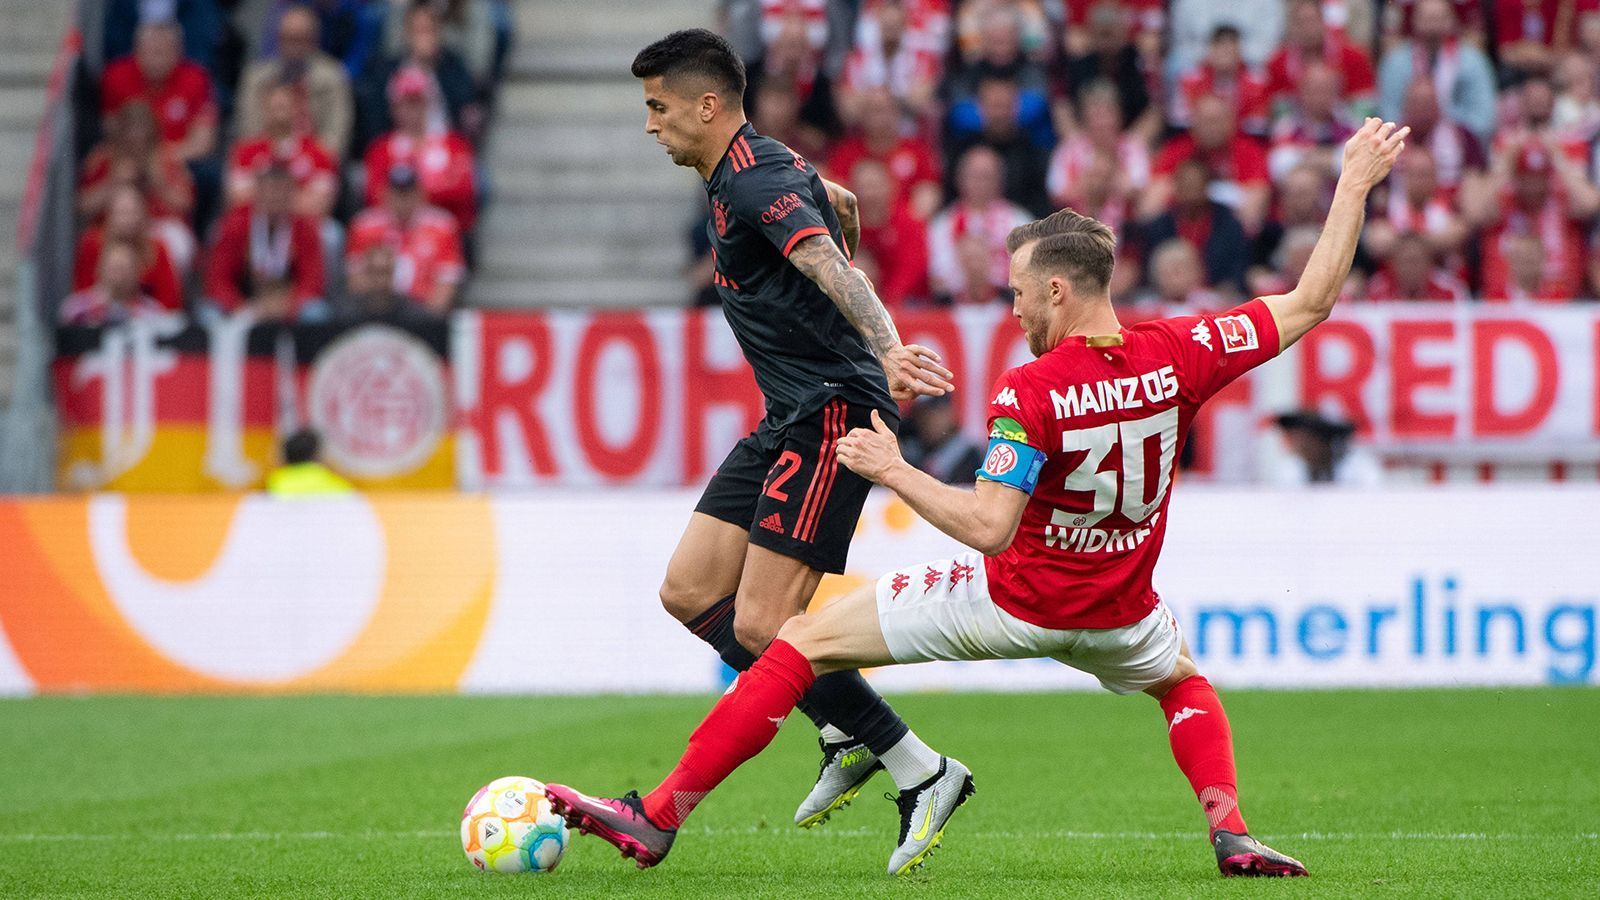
(847, 701)
(715, 627)
(842, 699)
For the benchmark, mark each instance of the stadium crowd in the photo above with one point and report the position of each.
(308, 160)
(1206, 132)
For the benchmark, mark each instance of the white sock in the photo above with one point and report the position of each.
(834, 736)
(910, 762)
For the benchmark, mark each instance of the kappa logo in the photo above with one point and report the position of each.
(773, 523)
(1202, 335)
(1006, 397)
(777, 721)
(1238, 334)
(1188, 712)
(931, 577)
(959, 572)
(898, 584)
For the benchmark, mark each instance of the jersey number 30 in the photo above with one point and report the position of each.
(1134, 437)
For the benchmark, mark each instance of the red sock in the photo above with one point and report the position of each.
(1202, 744)
(741, 725)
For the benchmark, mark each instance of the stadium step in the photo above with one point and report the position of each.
(28, 44)
(586, 209)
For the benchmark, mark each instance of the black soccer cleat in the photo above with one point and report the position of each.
(1244, 856)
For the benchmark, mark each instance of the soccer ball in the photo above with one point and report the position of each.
(508, 827)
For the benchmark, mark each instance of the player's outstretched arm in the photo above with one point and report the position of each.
(984, 518)
(844, 206)
(912, 368)
(1368, 156)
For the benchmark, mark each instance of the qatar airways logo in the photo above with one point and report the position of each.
(781, 207)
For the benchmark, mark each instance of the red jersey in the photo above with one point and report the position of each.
(159, 278)
(308, 162)
(1112, 421)
(910, 163)
(178, 102)
(443, 161)
(428, 250)
(1242, 161)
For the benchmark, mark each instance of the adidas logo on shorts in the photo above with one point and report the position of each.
(773, 523)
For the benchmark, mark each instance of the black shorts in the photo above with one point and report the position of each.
(796, 498)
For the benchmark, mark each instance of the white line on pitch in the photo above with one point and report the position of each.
(1419, 836)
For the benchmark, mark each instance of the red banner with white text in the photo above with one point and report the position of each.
(1487, 383)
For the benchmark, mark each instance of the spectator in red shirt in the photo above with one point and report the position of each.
(1416, 203)
(283, 142)
(442, 158)
(980, 216)
(1413, 274)
(1316, 125)
(1457, 153)
(887, 57)
(894, 243)
(1531, 34)
(132, 155)
(453, 95)
(1542, 193)
(177, 90)
(115, 296)
(1530, 276)
(1307, 39)
(1222, 72)
(1532, 108)
(128, 222)
(426, 240)
(1237, 164)
(266, 258)
(910, 160)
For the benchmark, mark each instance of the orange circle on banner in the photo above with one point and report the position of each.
(68, 633)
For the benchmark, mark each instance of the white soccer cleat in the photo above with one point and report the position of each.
(846, 768)
(925, 809)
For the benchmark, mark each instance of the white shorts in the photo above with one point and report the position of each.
(941, 610)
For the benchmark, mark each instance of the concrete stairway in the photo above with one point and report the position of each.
(28, 44)
(587, 210)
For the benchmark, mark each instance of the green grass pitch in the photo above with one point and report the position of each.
(1468, 793)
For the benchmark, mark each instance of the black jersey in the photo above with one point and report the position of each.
(765, 199)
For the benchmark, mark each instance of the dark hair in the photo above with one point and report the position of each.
(697, 52)
(301, 447)
(1079, 247)
(1225, 31)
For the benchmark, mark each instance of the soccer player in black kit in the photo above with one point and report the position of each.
(780, 510)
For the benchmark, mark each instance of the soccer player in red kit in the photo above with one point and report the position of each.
(1069, 511)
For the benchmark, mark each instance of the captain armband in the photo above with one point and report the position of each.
(1012, 463)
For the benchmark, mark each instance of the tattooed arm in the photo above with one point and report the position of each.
(844, 206)
(911, 369)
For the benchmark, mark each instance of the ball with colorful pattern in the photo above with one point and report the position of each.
(508, 827)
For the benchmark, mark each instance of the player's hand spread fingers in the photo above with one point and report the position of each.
(930, 361)
(869, 452)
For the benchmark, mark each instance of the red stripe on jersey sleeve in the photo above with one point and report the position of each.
(799, 235)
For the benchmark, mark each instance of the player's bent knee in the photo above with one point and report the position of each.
(754, 633)
(681, 601)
